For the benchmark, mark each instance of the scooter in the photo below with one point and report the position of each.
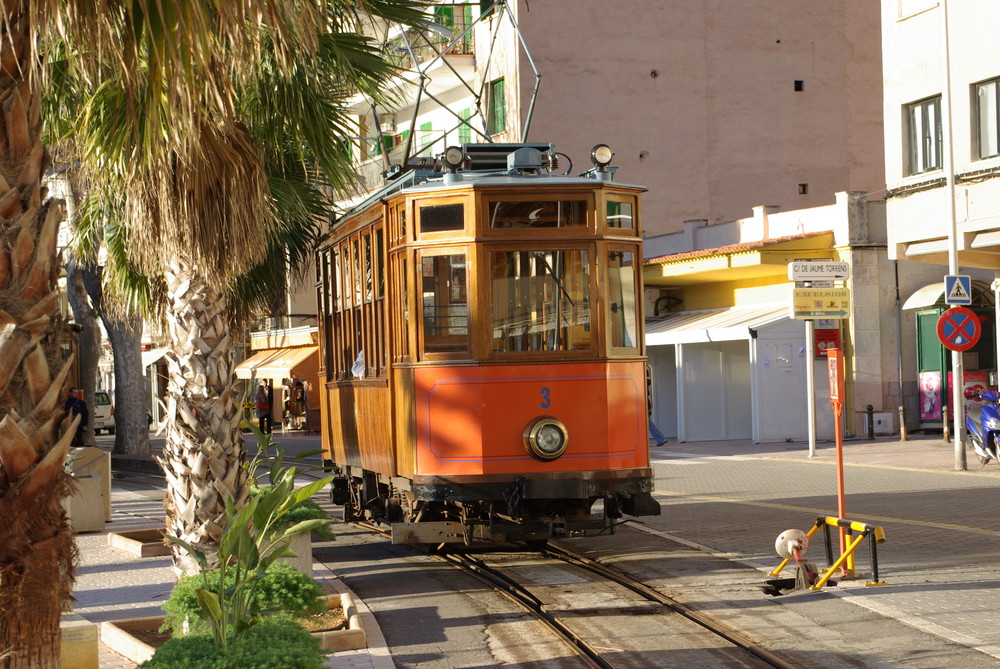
(982, 425)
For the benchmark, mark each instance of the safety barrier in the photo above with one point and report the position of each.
(850, 527)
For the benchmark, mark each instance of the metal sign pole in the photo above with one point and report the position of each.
(810, 386)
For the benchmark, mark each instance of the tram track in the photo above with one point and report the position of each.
(564, 622)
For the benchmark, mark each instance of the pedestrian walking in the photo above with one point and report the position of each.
(75, 406)
(655, 434)
(263, 401)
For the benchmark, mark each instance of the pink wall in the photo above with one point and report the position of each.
(721, 128)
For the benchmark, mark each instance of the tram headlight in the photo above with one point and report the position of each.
(546, 438)
(601, 155)
(453, 157)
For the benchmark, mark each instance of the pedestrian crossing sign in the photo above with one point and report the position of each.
(957, 289)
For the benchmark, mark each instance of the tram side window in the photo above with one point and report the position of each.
(623, 322)
(620, 215)
(540, 301)
(545, 214)
(442, 217)
(445, 303)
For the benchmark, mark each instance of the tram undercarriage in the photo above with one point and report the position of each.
(494, 509)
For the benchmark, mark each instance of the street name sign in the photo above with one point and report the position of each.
(811, 270)
(833, 303)
(957, 289)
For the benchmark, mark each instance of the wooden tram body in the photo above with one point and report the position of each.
(482, 370)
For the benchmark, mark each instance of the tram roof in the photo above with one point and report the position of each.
(422, 181)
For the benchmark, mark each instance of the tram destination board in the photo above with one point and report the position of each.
(821, 303)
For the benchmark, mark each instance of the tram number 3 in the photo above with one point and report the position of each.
(545, 398)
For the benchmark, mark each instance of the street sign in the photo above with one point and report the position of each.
(832, 303)
(959, 329)
(809, 270)
(957, 289)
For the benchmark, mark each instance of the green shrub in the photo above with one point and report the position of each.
(283, 588)
(277, 642)
(251, 542)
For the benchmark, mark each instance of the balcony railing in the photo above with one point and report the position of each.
(415, 47)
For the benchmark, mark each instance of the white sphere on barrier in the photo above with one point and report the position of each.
(791, 542)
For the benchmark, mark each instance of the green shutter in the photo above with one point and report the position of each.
(464, 131)
(498, 107)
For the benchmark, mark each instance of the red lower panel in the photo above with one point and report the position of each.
(470, 420)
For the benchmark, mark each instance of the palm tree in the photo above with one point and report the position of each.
(195, 187)
(213, 217)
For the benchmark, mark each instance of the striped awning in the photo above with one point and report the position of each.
(732, 324)
(274, 363)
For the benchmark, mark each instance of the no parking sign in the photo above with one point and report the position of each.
(958, 329)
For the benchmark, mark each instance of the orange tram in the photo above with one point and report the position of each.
(483, 374)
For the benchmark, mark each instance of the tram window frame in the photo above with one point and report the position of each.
(400, 309)
(397, 224)
(612, 317)
(593, 325)
(428, 203)
(632, 229)
(452, 346)
(489, 199)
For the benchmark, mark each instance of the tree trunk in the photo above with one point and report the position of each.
(89, 342)
(204, 451)
(37, 553)
(131, 396)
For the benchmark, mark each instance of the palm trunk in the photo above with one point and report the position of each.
(204, 451)
(37, 553)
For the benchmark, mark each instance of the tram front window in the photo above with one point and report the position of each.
(623, 320)
(541, 301)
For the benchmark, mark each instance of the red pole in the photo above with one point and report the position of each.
(838, 430)
(836, 374)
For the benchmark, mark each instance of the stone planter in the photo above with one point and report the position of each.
(121, 635)
(142, 543)
(301, 545)
(85, 507)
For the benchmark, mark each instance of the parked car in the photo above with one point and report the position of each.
(104, 413)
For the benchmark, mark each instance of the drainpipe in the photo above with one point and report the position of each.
(899, 355)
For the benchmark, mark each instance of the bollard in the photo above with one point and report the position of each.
(902, 423)
(945, 432)
(870, 410)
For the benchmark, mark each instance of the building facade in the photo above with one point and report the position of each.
(942, 146)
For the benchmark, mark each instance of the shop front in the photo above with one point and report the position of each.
(289, 375)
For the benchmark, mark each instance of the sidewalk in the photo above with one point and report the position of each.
(921, 451)
(113, 584)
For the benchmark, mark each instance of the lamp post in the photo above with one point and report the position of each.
(957, 365)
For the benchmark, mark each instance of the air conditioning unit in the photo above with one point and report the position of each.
(387, 122)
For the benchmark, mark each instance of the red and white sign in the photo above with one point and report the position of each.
(959, 329)
(835, 367)
(824, 340)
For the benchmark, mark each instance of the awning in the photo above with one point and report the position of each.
(274, 363)
(151, 356)
(933, 295)
(730, 324)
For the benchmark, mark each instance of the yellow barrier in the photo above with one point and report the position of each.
(873, 531)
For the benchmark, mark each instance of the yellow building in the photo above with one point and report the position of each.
(728, 360)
